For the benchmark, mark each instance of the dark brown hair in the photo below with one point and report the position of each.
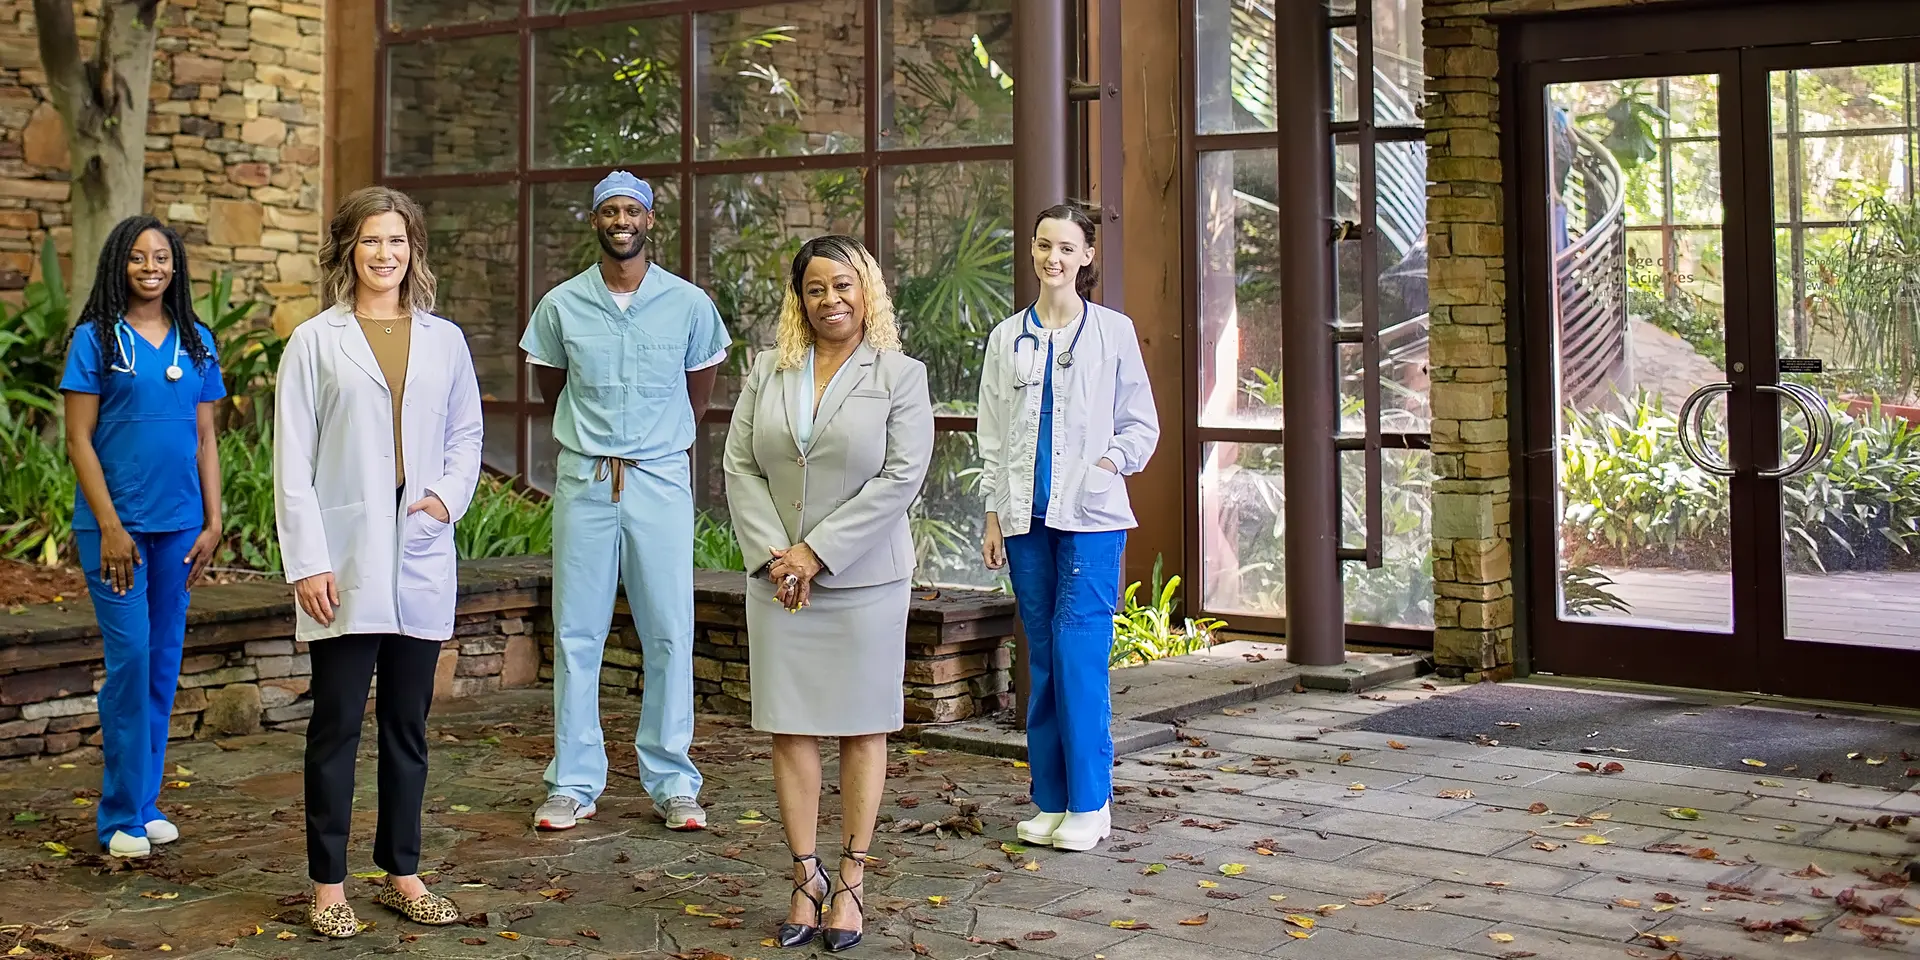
(1089, 275)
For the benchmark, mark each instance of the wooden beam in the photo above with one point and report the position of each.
(1150, 260)
(352, 45)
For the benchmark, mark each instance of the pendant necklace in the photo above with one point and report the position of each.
(384, 325)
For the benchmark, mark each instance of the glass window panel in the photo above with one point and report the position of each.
(751, 225)
(1594, 159)
(782, 80)
(1346, 88)
(1243, 529)
(500, 440)
(1239, 288)
(1696, 182)
(950, 86)
(1843, 98)
(453, 106)
(564, 242)
(416, 14)
(577, 6)
(543, 451)
(1398, 62)
(953, 262)
(1400, 592)
(608, 94)
(473, 243)
(949, 519)
(1233, 67)
(1838, 174)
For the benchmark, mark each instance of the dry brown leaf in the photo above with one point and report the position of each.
(1547, 845)
(1537, 808)
(1370, 900)
(1199, 921)
(1396, 745)
(1456, 794)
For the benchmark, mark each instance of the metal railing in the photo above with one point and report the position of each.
(1590, 276)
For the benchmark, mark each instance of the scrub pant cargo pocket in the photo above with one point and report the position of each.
(1067, 586)
(141, 633)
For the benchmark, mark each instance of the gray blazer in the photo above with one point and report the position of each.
(847, 496)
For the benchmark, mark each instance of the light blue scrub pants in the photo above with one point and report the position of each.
(1067, 586)
(142, 632)
(646, 539)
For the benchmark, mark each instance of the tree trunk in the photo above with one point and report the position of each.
(103, 103)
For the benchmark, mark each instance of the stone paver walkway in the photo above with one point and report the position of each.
(1269, 832)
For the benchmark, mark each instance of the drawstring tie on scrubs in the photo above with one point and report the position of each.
(618, 466)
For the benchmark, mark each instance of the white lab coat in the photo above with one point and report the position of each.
(1102, 407)
(334, 494)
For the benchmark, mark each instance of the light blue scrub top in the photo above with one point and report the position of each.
(800, 400)
(148, 435)
(626, 393)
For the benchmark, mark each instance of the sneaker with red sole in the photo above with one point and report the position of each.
(683, 813)
(562, 813)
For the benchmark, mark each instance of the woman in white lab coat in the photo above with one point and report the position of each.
(376, 454)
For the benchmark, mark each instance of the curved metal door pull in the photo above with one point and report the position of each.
(1693, 430)
(1819, 428)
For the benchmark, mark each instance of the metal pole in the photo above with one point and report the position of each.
(1039, 124)
(1039, 181)
(1316, 617)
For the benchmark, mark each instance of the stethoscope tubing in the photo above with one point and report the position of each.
(1063, 360)
(123, 339)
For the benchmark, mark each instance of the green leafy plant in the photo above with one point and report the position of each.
(36, 493)
(1870, 293)
(1583, 593)
(252, 541)
(33, 346)
(714, 545)
(249, 354)
(504, 521)
(1144, 632)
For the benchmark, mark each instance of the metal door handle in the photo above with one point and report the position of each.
(1819, 428)
(1693, 430)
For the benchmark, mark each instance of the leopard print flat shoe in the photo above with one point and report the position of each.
(430, 909)
(337, 921)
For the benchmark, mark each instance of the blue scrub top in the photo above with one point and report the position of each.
(1043, 444)
(148, 437)
(626, 393)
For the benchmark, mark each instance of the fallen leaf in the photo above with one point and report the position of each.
(1629, 904)
(1396, 745)
(1500, 937)
(1871, 762)
(57, 849)
(1546, 845)
(1208, 884)
(1199, 921)
(590, 933)
(469, 941)
(1328, 909)
(1682, 813)
(1020, 765)
(1300, 934)
(1344, 758)
(916, 752)
(1012, 849)
(1304, 923)
(460, 808)
(1128, 925)
(1233, 869)
(1456, 794)
(1263, 851)
(1276, 897)
(370, 875)
(1370, 900)
(937, 901)
(1537, 808)
(288, 935)
(169, 895)
(509, 935)
(1356, 785)
(1909, 921)
(1614, 767)
(1031, 866)
(1038, 935)
(697, 910)
(1594, 840)
(1754, 763)
(1811, 872)
(1152, 869)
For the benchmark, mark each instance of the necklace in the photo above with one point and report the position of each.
(385, 325)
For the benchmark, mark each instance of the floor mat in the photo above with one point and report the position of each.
(1791, 743)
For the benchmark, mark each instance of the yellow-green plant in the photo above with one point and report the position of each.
(1143, 632)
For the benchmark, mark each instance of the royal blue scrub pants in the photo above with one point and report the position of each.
(1067, 586)
(142, 631)
(645, 539)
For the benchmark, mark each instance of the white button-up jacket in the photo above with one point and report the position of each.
(1102, 407)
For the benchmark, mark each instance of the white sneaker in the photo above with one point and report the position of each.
(122, 845)
(162, 831)
(561, 812)
(1083, 831)
(1040, 829)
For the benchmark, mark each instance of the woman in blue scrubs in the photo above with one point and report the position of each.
(140, 384)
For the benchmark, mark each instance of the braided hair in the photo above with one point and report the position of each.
(107, 303)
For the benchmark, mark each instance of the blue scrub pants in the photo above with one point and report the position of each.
(1068, 586)
(142, 631)
(646, 539)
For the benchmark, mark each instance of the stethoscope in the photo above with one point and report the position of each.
(123, 338)
(1028, 325)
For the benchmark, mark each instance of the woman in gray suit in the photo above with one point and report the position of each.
(829, 445)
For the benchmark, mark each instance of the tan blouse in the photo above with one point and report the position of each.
(390, 351)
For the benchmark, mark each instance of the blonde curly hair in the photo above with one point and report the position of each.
(794, 334)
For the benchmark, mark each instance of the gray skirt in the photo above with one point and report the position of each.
(835, 668)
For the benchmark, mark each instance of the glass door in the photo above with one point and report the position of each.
(1839, 614)
(1632, 225)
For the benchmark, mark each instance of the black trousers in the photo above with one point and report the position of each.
(343, 670)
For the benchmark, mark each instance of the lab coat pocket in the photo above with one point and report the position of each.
(428, 573)
(345, 527)
(1100, 480)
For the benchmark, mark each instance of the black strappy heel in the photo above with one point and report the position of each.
(800, 934)
(838, 939)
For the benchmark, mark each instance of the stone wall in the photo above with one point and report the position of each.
(233, 143)
(243, 672)
(959, 662)
(1467, 285)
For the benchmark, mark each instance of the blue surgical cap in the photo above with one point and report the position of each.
(623, 184)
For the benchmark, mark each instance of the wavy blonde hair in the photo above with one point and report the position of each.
(795, 334)
(338, 279)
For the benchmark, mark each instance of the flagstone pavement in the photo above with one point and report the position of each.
(1269, 832)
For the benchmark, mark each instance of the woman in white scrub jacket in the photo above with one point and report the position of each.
(376, 455)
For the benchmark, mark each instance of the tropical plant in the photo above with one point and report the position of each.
(1630, 495)
(33, 346)
(1583, 593)
(36, 493)
(714, 545)
(1870, 293)
(249, 354)
(1144, 632)
(252, 540)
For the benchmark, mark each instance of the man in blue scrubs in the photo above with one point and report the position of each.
(627, 353)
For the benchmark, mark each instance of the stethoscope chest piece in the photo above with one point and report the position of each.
(174, 373)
